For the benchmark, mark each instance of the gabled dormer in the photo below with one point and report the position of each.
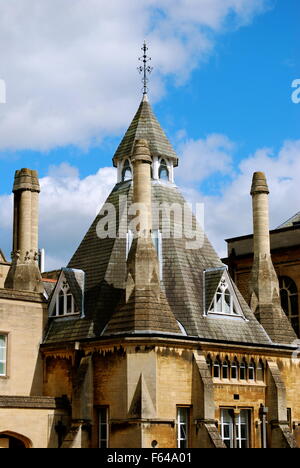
(220, 297)
(67, 299)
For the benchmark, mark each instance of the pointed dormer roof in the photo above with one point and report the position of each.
(145, 126)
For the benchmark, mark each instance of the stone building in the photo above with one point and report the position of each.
(144, 339)
(285, 252)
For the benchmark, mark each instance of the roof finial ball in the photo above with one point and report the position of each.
(145, 69)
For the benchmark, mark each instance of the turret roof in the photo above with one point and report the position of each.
(145, 126)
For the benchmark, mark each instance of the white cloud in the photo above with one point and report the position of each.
(230, 214)
(69, 204)
(204, 157)
(70, 65)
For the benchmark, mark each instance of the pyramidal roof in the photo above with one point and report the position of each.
(145, 126)
(104, 264)
(294, 221)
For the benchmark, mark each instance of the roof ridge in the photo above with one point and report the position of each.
(290, 221)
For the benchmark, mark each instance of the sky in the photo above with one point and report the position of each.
(221, 88)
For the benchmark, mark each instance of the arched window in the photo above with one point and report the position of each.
(217, 368)
(234, 369)
(223, 302)
(289, 301)
(163, 172)
(251, 370)
(65, 304)
(126, 172)
(260, 373)
(61, 303)
(243, 370)
(209, 363)
(225, 369)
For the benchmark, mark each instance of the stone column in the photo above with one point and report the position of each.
(25, 223)
(142, 190)
(260, 199)
(264, 286)
(24, 273)
(35, 214)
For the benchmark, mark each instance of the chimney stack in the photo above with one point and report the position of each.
(142, 263)
(24, 273)
(264, 286)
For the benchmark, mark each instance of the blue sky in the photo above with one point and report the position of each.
(226, 74)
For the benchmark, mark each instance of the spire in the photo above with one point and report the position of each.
(145, 69)
(145, 126)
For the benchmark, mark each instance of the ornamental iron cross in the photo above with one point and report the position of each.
(145, 69)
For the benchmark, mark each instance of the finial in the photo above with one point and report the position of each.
(145, 69)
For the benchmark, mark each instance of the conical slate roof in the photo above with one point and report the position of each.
(145, 126)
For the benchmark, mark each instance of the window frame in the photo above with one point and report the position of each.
(106, 424)
(64, 293)
(126, 167)
(235, 437)
(163, 166)
(5, 354)
(227, 289)
(179, 424)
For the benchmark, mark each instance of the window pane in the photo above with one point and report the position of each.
(217, 370)
(226, 431)
(182, 427)
(225, 370)
(69, 303)
(2, 355)
(227, 303)
(219, 303)
(103, 427)
(61, 303)
(234, 371)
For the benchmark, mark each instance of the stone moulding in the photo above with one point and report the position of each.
(39, 402)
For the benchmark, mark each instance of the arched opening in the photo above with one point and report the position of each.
(13, 440)
(289, 301)
(163, 172)
(126, 172)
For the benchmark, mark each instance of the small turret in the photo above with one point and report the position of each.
(24, 273)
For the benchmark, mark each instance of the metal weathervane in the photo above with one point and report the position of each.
(145, 69)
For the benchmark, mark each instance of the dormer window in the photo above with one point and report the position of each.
(224, 301)
(126, 172)
(163, 172)
(65, 304)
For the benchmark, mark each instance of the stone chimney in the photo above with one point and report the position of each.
(264, 285)
(24, 273)
(142, 264)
